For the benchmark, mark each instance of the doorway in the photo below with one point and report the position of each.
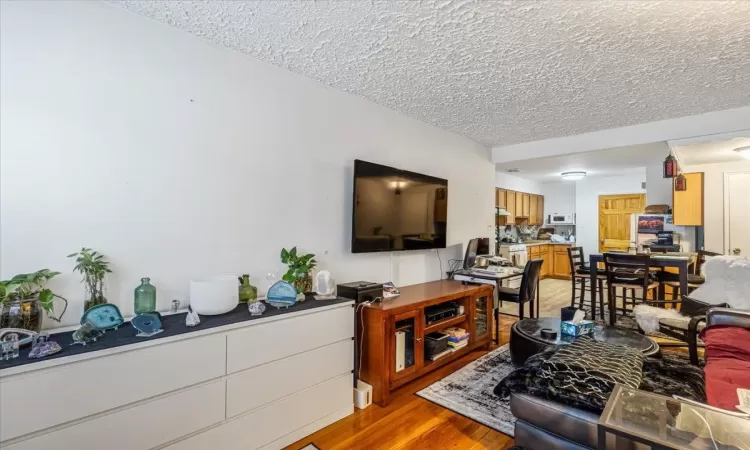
(615, 218)
(736, 213)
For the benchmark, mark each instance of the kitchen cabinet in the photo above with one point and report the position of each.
(544, 255)
(500, 195)
(519, 205)
(540, 209)
(510, 205)
(687, 205)
(533, 215)
(561, 262)
(526, 199)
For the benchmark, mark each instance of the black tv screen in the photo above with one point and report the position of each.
(397, 210)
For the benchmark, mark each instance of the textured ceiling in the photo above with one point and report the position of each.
(497, 72)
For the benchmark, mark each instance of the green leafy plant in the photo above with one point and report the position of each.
(93, 268)
(29, 286)
(299, 268)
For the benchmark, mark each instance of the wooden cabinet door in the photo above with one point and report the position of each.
(411, 325)
(526, 204)
(533, 207)
(519, 204)
(540, 209)
(481, 316)
(687, 206)
(500, 201)
(544, 254)
(561, 264)
(510, 205)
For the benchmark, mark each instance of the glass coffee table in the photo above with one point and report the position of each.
(526, 338)
(668, 423)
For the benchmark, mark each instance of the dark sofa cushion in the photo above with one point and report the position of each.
(727, 364)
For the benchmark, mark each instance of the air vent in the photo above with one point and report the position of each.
(513, 170)
(643, 185)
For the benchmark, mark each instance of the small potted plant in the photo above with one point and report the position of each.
(23, 297)
(93, 267)
(300, 267)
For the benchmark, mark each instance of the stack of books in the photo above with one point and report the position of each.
(458, 338)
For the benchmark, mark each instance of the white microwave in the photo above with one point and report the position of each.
(561, 219)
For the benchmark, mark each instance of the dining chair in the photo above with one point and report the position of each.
(695, 280)
(580, 275)
(527, 292)
(631, 273)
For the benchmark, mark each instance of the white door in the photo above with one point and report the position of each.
(737, 213)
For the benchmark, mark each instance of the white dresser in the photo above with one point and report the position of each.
(264, 383)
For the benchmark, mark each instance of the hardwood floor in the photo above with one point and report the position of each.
(411, 422)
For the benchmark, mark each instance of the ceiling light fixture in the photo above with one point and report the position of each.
(573, 176)
(743, 151)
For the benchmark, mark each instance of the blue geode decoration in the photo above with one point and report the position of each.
(103, 317)
(281, 295)
(147, 324)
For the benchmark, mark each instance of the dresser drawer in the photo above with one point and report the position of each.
(263, 384)
(276, 420)
(40, 399)
(260, 344)
(140, 427)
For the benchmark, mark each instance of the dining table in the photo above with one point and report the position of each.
(680, 261)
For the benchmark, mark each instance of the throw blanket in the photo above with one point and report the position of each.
(582, 374)
(727, 281)
(671, 374)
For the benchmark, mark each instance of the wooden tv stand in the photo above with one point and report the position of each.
(407, 312)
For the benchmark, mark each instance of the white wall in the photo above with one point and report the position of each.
(713, 200)
(181, 159)
(559, 197)
(658, 188)
(516, 183)
(588, 191)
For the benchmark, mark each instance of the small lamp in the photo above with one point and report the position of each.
(680, 183)
(670, 167)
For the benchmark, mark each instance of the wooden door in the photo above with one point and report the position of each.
(533, 217)
(410, 324)
(510, 205)
(687, 206)
(737, 214)
(615, 212)
(519, 204)
(540, 209)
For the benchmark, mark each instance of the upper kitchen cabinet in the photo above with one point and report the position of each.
(540, 209)
(510, 206)
(500, 195)
(519, 206)
(533, 213)
(526, 198)
(687, 205)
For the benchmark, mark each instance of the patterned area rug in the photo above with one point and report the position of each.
(468, 391)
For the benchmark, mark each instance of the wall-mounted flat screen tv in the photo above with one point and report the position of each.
(397, 210)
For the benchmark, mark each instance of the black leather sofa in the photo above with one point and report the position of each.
(546, 425)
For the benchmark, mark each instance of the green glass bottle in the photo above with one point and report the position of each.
(247, 292)
(145, 297)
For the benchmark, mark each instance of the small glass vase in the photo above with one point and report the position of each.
(145, 297)
(304, 283)
(94, 296)
(247, 292)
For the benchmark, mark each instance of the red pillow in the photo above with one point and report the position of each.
(727, 364)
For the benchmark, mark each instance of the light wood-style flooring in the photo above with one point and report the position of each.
(410, 422)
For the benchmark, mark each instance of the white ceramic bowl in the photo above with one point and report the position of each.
(214, 296)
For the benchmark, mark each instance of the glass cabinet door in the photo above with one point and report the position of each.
(406, 344)
(482, 322)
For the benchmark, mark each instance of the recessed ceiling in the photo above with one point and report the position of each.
(711, 152)
(497, 72)
(608, 162)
